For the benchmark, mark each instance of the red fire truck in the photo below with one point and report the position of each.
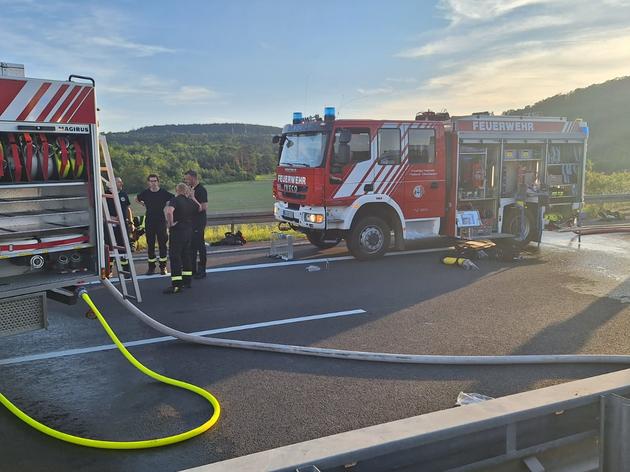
(50, 204)
(475, 176)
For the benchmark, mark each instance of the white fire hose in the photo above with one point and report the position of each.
(367, 356)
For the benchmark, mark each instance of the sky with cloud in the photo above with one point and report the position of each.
(258, 61)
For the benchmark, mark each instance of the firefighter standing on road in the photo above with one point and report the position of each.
(180, 214)
(154, 199)
(198, 243)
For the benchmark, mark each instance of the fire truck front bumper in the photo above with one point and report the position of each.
(308, 217)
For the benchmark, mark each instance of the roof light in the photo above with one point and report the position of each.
(297, 117)
(329, 113)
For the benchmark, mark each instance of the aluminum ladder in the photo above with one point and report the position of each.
(108, 181)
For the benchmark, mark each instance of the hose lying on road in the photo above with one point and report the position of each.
(362, 355)
(144, 444)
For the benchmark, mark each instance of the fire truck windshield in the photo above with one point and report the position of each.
(303, 150)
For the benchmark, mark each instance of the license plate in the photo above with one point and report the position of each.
(287, 214)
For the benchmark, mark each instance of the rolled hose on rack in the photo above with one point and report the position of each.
(143, 444)
(367, 356)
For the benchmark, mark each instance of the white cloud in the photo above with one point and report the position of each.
(536, 70)
(137, 49)
(102, 47)
(401, 80)
(189, 94)
(375, 91)
(167, 91)
(458, 11)
(477, 39)
(496, 55)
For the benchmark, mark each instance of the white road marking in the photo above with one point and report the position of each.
(142, 342)
(284, 264)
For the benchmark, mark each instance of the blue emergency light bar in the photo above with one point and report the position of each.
(297, 117)
(329, 113)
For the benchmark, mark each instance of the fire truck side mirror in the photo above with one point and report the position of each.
(275, 139)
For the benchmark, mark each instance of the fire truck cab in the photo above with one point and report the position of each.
(367, 181)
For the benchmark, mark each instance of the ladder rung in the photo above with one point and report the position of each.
(118, 252)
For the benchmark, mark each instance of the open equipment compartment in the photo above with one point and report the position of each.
(50, 204)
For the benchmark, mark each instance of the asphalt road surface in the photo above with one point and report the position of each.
(558, 299)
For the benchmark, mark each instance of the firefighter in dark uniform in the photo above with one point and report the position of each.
(198, 243)
(154, 199)
(127, 225)
(180, 213)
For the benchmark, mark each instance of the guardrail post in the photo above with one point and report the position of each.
(614, 455)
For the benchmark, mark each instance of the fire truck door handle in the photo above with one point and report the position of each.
(335, 180)
(368, 187)
(435, 184)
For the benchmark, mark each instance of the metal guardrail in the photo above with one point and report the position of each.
(577, 426)
(266, 216)
(613, 197)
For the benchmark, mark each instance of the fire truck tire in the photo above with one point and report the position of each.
(369, 238)
(512, 225)
(318, 238)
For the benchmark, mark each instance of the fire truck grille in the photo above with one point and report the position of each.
(21, 314)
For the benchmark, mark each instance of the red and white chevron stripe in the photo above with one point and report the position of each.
(47, 102)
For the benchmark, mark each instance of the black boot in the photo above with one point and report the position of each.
(163, 268)
(172, 290)
(201, 273)
(151, 269)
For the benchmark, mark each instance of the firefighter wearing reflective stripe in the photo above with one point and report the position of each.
(154, 199)
(179, 218)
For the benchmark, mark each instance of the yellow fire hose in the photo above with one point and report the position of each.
(144, 444)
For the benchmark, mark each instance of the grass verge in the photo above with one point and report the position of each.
(252, 232)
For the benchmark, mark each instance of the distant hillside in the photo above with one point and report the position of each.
(606, 108)
(252, 134)
(225, 152)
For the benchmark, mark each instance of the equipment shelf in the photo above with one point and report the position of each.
(33, 252)
(39, 213)
(50, 198)
(44, 279)
(49, 184)
(38, 228)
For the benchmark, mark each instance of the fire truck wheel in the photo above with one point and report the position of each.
(369, 238)
(524, 233)
(318, 238)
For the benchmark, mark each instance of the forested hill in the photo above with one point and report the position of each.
(215, 132)
(606, 108)
(223, 152)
